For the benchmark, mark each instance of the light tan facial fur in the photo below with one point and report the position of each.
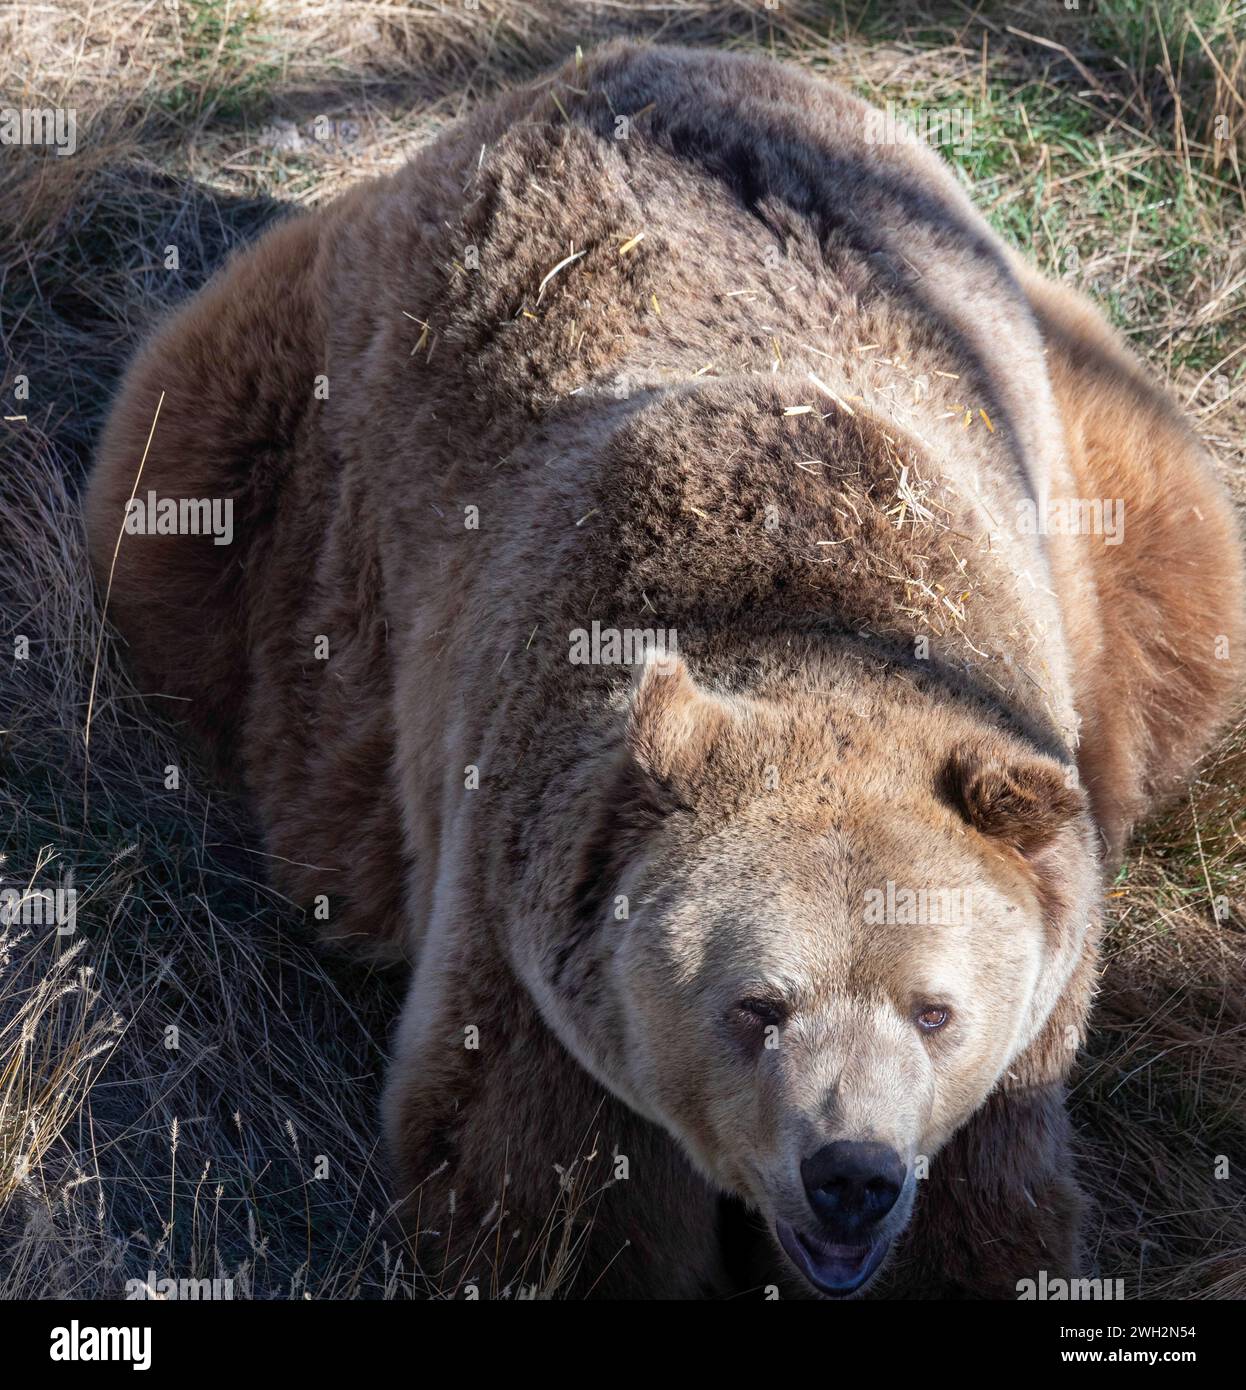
(848, 876)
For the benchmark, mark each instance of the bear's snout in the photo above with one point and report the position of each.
(851, 1186)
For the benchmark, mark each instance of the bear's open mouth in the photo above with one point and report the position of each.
(836, 1270)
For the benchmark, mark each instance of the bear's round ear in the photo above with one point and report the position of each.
(671, 722)
(671, 726)
(1022, 804)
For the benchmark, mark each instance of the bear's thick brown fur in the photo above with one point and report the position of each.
(674, 341)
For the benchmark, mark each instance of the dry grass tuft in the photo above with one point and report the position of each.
(1108, 141)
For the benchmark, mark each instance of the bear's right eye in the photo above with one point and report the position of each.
(770, 1012)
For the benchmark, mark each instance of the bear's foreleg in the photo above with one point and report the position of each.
(516, 1173)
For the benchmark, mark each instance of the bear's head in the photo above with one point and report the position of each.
(845, 920)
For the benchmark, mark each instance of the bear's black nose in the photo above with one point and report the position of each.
(852, 1185)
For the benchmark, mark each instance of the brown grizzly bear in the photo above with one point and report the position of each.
(716, 611)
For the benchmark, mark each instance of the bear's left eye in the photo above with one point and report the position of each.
(932, 1018)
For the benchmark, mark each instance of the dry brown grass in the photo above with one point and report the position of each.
(1097, 146)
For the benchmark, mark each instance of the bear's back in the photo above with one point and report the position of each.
(363, 374)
